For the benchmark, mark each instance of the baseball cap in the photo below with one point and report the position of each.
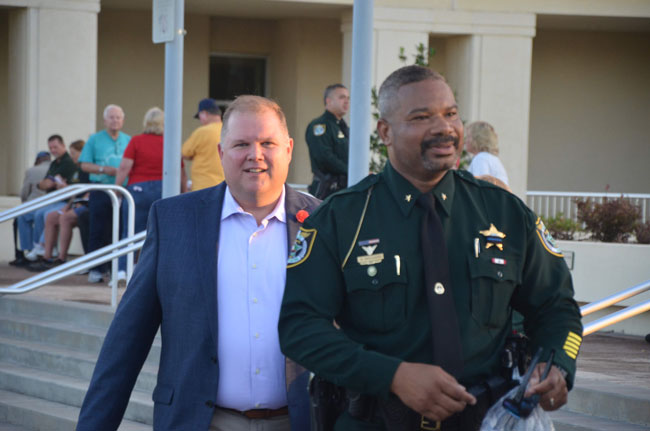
(42, 155)
(209, 105)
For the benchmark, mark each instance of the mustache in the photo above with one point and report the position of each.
(439, 140)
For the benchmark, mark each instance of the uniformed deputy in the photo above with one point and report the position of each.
(358, 261)
(327, 139)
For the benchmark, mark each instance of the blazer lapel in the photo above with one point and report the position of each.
(292, 204)
(208, 221)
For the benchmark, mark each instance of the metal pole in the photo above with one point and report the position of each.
(360, 116)
(173, 105)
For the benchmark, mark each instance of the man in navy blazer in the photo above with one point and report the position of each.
(174, 288)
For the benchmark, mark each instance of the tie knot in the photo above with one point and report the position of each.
(427, 201)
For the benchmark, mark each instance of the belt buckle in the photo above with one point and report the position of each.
(429, 425)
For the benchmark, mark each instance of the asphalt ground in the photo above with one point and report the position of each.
(619, 359)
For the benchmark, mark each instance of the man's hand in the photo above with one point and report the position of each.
(553, 390)
(430, 391)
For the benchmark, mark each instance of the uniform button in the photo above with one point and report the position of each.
(255, 300)
(257, 370)
(209, 404)
(375, 281)
(372, 270)
(499, 274)
(439, 288)
(255, 234)
(257, 335)
(254, 266)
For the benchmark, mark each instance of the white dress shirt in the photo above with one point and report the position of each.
(251, 276)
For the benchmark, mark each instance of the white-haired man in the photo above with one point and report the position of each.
(101, 157)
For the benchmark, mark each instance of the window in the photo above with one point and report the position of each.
(232, 75)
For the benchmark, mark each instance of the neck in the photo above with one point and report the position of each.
(259, 211)
(338, 117)
(113, 133)
(423, 185)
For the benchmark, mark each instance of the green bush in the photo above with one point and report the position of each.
(613, 220)
(561, 227)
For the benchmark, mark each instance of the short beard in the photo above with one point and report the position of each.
(434, 165)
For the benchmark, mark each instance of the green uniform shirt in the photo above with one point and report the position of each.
(65, 167)
(369, 278)
(327, 139)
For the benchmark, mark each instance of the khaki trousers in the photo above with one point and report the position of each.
(224, 420)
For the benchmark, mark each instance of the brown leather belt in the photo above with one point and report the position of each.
(260, 413)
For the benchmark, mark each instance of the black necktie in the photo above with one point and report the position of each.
(447, 351)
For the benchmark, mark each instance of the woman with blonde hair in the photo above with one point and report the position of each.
(481, 140)
(142, 163)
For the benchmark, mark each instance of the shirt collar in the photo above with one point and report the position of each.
(406, 194)
(331, 116)
(230, 207)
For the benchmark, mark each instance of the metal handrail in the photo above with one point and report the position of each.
(74, 190)
(87, 261)
(618, 316)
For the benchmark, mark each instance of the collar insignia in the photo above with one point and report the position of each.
(407, 198)
(444, 196)
(493, 237)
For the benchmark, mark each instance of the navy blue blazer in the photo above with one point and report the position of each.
(174, 288)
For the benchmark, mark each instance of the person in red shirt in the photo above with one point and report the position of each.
(142, 163)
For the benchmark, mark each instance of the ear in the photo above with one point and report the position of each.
(385, 132)
(290, 148)
(220, 150)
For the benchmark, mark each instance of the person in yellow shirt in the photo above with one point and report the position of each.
(201, 147)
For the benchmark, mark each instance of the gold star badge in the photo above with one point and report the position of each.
(444, 196)
(493, 237)
(407, 198)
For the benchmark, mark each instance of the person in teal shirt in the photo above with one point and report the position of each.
(100, 157)
(355, 309)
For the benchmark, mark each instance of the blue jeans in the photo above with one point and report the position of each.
(31, 226)
(144, 195)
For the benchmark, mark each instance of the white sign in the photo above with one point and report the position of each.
(163, 21)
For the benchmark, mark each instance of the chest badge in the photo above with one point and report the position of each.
(340, 135)
(369, 246)
(493, 238)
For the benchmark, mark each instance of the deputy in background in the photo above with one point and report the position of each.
(421, 267)
(327, 139)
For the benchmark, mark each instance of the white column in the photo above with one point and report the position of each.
(52, 79)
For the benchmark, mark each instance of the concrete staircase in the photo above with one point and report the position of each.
(604, 404)
(48, 351)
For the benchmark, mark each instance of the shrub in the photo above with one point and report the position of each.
(561, 227)
(609, 221)
(642, 232)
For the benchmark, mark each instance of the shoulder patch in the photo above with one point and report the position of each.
(319, 129)
(547, 240)
(301, 247)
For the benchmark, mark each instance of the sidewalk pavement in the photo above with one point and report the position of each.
(616, 358)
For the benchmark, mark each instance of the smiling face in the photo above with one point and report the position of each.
(255, 153)
(423, 133)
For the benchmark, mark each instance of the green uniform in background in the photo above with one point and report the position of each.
(327, 139)
(370, 279)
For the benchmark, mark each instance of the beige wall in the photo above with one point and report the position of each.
(5, 142)
(590, 108)
(131, 68)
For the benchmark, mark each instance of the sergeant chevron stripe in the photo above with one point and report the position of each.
(572, 345)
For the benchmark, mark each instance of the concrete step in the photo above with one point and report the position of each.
(6, 426)
(68, 334)
(41, 415)
(65, 390)
(64, 361)
(85, 315)
(565, 420)
(616, 401)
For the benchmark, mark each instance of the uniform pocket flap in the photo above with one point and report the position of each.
(376, 276)
(163, 394)
(499, 267)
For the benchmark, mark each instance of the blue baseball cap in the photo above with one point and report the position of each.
(42, 155)
(209, 105)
